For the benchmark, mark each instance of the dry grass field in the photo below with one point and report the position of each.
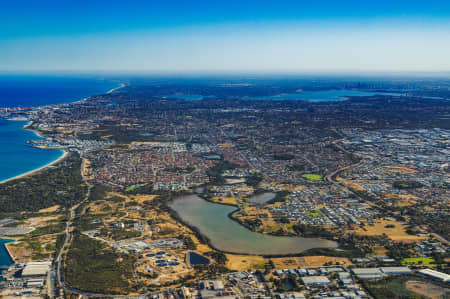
(40, 221)
(403, 200)
(318, 261)
(224, 200)
(396, 233)
(234, 181)
(244, 262)
(141, 198)
(287, 262)
(19, 252)
(427, 290)
(354, 186)
(400, 169)
(50, 209)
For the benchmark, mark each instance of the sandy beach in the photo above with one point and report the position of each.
(38, 133)
(109, 91)
(31, 172)
(114, 89)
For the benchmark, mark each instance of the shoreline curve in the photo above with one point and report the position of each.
(38, 134)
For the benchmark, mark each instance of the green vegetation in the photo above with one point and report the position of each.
(140, 189)
(98, 192)
(188, 242)
(279, 197)
(36, 246)
(181, 170)
(61, 185)
(400, 251)
(59, 242)
(119, 234)
(215, 172)
(130, 188)
(313, 177)
(119, 133)
(406, 184)
(310, 231)
(218, 256)
(286, 284)
(315, 213)
(254, 179)
(94, 267)
(418, 260)
(50, 229)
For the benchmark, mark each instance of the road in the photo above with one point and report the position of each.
(68, 233)
(63, 251)
(330, 177)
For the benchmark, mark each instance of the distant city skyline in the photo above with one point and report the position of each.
(225, 36)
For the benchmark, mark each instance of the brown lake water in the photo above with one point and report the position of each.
(225, 234)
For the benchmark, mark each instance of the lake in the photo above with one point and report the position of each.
(225, 234)
(262, 198)
(314, 96)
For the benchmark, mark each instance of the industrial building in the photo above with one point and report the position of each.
(36, 269)
(435, 274)
(315, 280)
(368, 273)
(395, 270)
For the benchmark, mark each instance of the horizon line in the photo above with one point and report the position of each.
(190, 73)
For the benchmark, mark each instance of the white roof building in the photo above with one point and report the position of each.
(368, 273)
(36, 269)
(396, 270)
(435, 274)
(315, 280)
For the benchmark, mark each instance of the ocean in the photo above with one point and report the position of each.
(16, 157)
(23, 91)
(5, 259)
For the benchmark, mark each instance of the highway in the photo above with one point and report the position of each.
(63, 252)
(68, 234)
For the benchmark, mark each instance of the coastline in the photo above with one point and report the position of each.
(116, 88)
(87, 98)
(38, 133)
(32, 172)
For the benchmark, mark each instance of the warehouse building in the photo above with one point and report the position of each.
(396, 270)
(36, 269)
(35, 283)
(368, 273)
(436, 274)
(315, 280)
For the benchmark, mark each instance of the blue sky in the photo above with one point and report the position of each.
(224, 36)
